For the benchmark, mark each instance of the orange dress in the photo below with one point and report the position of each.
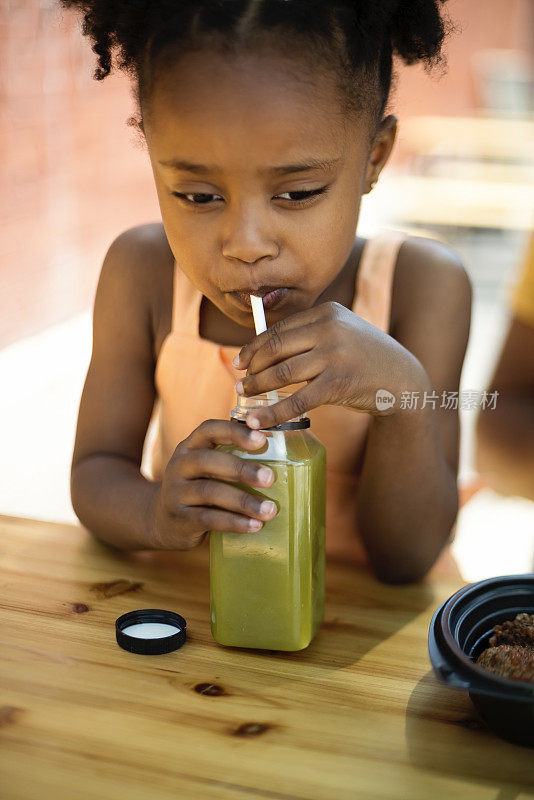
(195, 381)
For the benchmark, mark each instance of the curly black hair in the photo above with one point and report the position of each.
(357, 38)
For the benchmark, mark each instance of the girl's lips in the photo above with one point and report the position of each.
(270, 300)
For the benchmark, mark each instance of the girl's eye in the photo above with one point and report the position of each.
(203, 198)
(196, 198)
(302, 197)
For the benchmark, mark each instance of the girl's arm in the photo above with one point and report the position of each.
(407, 495)
(110, 496)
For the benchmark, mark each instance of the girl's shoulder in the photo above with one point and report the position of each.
(143, 256)
(145, 247)
(142, 253)
(429, 274)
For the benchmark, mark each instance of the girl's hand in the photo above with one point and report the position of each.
(345, 360)
(194, 498)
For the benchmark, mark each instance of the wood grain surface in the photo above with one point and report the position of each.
(358, 714)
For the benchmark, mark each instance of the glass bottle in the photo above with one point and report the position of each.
(267, 587)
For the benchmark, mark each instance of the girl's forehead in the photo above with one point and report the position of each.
(219, 103)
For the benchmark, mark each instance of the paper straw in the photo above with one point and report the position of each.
(261, 325)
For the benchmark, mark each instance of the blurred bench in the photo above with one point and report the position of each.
(463, 171)
(495, 138)
(441, 201)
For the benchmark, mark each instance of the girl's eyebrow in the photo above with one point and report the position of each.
(202, 169)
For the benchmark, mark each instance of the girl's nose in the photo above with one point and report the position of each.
(249, 237)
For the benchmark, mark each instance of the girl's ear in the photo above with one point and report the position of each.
(381, 148)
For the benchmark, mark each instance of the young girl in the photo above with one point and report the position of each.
(265, 124)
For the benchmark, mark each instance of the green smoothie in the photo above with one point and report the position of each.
(267, 588)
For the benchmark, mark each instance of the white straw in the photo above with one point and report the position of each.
(261, 325)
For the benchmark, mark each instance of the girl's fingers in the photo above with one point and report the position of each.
(303, 367)
(279, 330)
(222, 495)
(212, 519)
(213, 432)
(227, 466)
(310, 396)
(281, 343)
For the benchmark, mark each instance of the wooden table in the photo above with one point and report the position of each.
(358, 714)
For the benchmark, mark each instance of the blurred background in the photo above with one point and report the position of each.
(73, 175)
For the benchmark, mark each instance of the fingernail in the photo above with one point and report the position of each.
(256, 436)
(235, 360)
(253, 422)
(239, 387)
(265, 474)
(267, 507)
(254, 524)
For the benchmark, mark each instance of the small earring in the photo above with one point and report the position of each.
(372, 185)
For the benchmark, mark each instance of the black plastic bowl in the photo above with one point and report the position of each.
(460, 631)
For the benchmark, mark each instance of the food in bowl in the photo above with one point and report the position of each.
(519, 631)
(510, 661)
(511, 650)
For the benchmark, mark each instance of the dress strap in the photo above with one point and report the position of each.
(374, 279)
(186, 299)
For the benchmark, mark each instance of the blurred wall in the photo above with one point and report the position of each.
(72, 174)
(482, 25)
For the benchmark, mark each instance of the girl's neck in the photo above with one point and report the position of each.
(218, 328)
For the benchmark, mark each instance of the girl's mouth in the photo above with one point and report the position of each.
(270, 299)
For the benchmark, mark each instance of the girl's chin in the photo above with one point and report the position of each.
(241, 314)
(246, 318)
